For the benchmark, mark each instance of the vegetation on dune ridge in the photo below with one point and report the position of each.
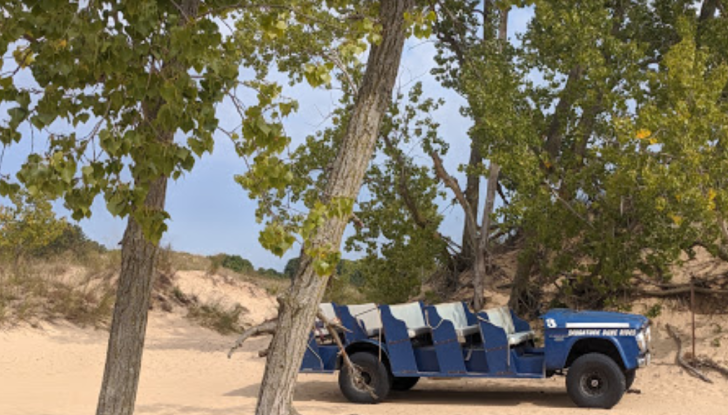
(50, 270)
(68, 276)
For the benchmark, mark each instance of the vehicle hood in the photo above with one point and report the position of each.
(564, 318)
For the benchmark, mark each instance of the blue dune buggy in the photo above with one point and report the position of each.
(395, 345)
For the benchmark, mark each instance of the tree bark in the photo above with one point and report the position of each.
(129, 323)
(521, 299)
(482, 256)
(299, 304)
(472, 194)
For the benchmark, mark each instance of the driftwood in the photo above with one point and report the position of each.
(708, 363)
(681, 290)
(707, 286)
(269, 327)
(692, 371)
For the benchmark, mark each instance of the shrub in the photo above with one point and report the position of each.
(218, 318)
(270, 273)
(237, 263)
(29, 225)
(72, 239)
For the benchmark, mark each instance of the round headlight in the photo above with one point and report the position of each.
(641, 341)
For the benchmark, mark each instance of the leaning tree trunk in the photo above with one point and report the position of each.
(298, 305)
(129, 323)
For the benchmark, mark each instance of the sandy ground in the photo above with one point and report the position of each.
(57, 371)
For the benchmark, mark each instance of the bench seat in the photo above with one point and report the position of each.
(501, 317)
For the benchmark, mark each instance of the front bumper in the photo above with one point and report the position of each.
(645, 360)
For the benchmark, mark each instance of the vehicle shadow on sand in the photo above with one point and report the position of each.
(433, 393)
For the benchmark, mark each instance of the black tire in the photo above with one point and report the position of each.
(629, 377)
(404, 383)
(594, 380)
(375, 375)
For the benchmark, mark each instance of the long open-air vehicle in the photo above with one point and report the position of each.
(393, 346)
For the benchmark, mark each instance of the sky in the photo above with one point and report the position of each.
(211, 214)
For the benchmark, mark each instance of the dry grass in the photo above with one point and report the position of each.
(82, 290)
(58, 288)
(217, 317)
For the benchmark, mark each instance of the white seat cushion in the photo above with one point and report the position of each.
(520, 337)
(368, 317)
(455, 313)
(501, 317)
(411, 315)
(412, 333)
(467, 331)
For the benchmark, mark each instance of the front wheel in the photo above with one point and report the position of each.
(629, 378)
(595, 381)
(373, 385)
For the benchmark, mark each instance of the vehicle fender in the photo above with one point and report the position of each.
(559, 347)
(367, 345)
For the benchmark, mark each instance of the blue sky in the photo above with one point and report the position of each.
(212, 214)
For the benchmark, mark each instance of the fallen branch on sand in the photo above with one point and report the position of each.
(713, 286)
(707, 363)
(681, 290)
(690, 365)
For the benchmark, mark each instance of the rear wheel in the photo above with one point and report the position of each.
(595, 381)
(373, 385)
(404, 383)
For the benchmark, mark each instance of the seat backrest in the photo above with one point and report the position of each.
(501, 317)
(453, 312)
(368, 314)
(327, 309)
(410, 313)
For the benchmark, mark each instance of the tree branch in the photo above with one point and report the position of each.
(555, 130)
(451, 183)
(679, 358)
(267, 327)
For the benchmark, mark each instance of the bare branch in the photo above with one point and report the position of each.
(451, 183)
(268, 327)
(680, 361)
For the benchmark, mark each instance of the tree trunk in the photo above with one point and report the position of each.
(521, 299)
(129, 323)
(472, 194)
(138, 258)
(482, 255)
(299, 304)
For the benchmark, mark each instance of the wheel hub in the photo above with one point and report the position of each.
(593, 383)
(363, 381)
